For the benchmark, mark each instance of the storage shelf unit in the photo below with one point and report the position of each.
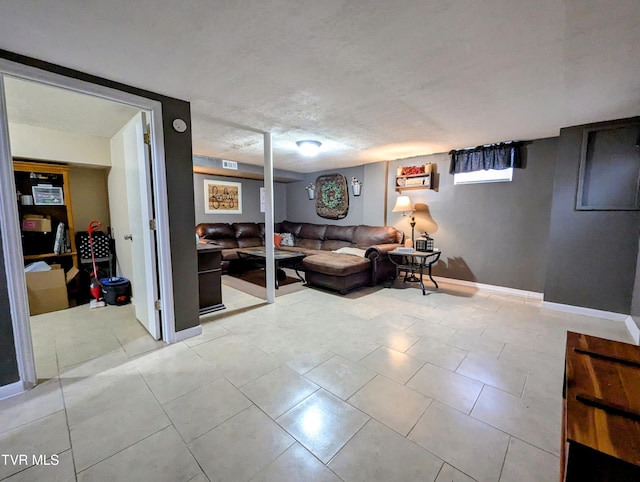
(415, 181)
(58, 213)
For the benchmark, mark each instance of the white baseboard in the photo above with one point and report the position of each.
(12, 389)
(633, 329)
(188, 333)
(528, 295)
(581, 310)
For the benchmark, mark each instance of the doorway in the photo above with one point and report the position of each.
(156, 206)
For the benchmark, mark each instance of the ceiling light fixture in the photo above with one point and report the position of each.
(309, 148)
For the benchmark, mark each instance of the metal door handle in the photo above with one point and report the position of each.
(129, 237)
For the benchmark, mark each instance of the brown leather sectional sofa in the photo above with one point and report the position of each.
(322, 265)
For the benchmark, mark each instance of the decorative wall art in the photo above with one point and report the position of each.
(332, 197)
(222, 197)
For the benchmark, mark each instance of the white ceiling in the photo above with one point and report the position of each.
(40, 105)
(372, 80)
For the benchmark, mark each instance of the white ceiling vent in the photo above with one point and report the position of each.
(229, 165)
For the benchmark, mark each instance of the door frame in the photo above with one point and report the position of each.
(11, 239)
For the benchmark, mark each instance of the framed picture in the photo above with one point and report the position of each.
(332, 197)
(222, 197)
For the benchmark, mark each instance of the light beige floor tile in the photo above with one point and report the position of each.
(352, 348)
(323, 423)
(165, 457)
(377, 453)
(395, 405)
(450, 474)
(81, 352)
(296, 464)
(524, 419)
(62, 471)
(393, 338)
(437, 353)
(493, 372)
(473, 447)
(210, 331)
(468, 325)
(392, 364)
(240, 447)
(42, 400)
(431, 329)
(102, 435)
(93, 397)
(45, 436)
(199, 411)
(526, 463)
(173, 377)
(448, 387)
(340, 376)
(303, 357)
(279, 390)
(477, 344)
(113, 363)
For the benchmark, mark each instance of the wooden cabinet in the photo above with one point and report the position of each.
(209, 278)
(601, 410)
(39, 245)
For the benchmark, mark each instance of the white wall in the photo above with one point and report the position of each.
(118, 205)
(48, 144)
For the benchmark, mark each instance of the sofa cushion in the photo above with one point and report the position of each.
(336, 264)
(215, 230)
(313, 231)
(250, 242)
(308, 243)
(365, 236)
(229, 254)
(293, 228)
(246, 230)
(225, 243)
(333, 244)
(343, 233)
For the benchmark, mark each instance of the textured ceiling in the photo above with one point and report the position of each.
(372, 80)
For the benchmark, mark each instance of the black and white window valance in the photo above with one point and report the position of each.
(493, 156)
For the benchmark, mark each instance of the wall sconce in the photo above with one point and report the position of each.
(311, 191)
(356, 186)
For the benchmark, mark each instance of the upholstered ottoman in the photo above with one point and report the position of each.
(341, 272)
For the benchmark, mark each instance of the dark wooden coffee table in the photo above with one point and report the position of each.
(283, 259)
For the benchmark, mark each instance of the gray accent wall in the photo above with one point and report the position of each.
(592, 254)
(301, 209)
(250, 201)
(492, 233)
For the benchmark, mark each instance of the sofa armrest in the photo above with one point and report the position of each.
(381, 266)
(380, 249)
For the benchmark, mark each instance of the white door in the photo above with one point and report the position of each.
(137, 165)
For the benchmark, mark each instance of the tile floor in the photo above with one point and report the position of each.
(380, 385)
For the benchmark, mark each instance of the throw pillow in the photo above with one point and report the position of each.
(277, 239)
(287, 239)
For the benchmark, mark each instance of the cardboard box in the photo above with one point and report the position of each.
(47, 291)
(34, 222)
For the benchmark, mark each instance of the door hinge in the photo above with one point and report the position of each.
(147, 138)
(152, 224)
(157, 306)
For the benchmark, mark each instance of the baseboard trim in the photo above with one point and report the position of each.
(581, 310)
(528, 295)
(12, 389)
(188, 333)
(633, 329)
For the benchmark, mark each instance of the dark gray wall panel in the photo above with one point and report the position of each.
(592, 254)
(8, 363)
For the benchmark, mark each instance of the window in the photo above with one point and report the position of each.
(477, 177)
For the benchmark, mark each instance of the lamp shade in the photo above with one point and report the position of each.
(403, 204)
